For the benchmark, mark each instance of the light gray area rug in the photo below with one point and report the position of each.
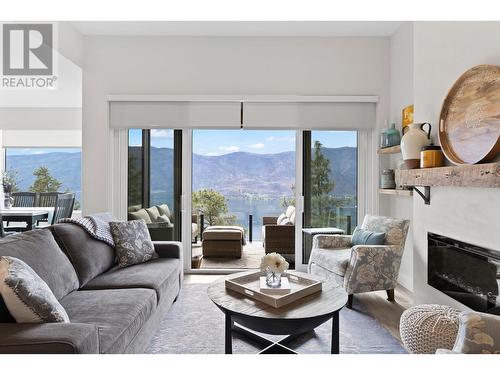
(194, 325)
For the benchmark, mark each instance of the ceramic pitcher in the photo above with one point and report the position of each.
(412, 142)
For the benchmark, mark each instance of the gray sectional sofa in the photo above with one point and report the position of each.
(111, 309)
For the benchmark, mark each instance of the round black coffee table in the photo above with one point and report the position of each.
(293, 320)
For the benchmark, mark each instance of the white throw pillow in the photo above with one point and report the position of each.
(27, 297)
(292, 218)
(280, 219)
(163, 219)
(289, 211)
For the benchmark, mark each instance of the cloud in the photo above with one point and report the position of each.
(270, 139)
(257, 145)
(212, 154)
(229, 148)
(161, 133)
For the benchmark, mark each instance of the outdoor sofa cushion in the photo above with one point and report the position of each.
(119, 314)
(224, 233)
(39, 250)
(158, 274)
(89, 256)
(140, 214)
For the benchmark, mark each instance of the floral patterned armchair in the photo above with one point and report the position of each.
(362, 268)
(478, 333)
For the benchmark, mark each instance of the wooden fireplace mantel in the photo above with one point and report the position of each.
(478, 175)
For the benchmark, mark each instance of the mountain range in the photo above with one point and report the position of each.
(231, 174)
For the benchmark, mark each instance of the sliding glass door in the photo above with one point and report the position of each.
(330, 170)
(154, 180)
(242, 180)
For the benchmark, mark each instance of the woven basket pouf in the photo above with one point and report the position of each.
(426, 328)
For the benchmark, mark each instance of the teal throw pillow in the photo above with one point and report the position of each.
(365, 237)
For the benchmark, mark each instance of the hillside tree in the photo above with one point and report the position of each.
(44, 181)
(213, 206)
(321, 187)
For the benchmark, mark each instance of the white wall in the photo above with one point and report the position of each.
(401, 95)
(177, 65)
(442, 52)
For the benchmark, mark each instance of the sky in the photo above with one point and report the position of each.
(38, 150)
(220, 142)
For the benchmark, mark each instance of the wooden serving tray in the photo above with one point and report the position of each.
(249, 285)
(469, 123)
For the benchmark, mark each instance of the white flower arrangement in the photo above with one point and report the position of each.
(275, 262)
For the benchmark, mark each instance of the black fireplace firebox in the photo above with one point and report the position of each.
(468, 273)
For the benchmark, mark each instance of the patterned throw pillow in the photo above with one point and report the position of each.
(133, 243)
(27, 297)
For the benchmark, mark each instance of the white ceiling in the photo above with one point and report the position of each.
(236, 28)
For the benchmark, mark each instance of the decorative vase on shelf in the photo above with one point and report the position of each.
(412, 142)
(393, 136)
(273, 278)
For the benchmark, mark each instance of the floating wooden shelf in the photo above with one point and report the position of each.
(403, 193)
(478, 175)
(390, 150)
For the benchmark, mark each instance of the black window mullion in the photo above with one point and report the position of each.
(146, 173)
(177, 184)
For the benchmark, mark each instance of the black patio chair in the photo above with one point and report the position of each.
(64, 207)
(47, 199)
(24, 199)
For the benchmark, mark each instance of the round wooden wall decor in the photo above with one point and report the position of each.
(469, 124)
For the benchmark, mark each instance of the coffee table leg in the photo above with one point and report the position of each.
(335, 333)
(229, 336)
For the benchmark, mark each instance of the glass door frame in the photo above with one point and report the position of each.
(363, 150)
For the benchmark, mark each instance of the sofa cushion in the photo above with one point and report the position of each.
(289, 211)
(133, 243)
(163, 219)
(335, 261)
(140, 214)
(26, 295)
(39, 250)
(157, 274)
(281, 218)
(223, 233)
(153, 213)
(89, 256)
(164, 210)
(118, 314)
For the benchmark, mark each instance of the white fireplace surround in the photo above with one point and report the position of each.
(470, 215)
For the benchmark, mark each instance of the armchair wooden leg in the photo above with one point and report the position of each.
(390, 295)
(350, 297)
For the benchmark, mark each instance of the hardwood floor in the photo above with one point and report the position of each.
(387, 313)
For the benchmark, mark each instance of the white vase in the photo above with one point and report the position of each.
(412, 142)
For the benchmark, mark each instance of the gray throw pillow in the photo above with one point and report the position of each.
(365, 237)
(27, 297)
(133, 243)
